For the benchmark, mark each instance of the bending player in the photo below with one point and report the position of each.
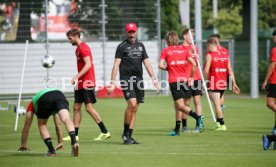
(47, 102)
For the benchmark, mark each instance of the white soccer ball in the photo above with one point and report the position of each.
(48, 61)
(21, 110)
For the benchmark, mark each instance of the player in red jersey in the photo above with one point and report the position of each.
(85, 87)
(196, 89)
(217, 69)
(222, 50)
(176, 58)
(271, 78)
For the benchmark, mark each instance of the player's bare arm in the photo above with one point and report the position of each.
(162, 65)
(58, 131)
(151, 73)
(85, 68)
(207, 66)
(268, 74)
(235, 88)
(25, 131)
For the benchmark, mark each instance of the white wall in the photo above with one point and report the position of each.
(11, 58)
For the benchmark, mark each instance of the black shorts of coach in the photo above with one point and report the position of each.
(133, 90)
(51, 103)
(196, 88)
(85, 96)
(180, 90)
(271, 91)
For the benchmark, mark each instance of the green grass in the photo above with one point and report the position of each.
(241, 145)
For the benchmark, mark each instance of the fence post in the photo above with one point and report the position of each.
(103, 21)
(268, 46)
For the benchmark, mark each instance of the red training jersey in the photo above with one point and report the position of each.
(88, 79)
(188, 65)
(272, 79)
(30, 107)
(218, 71)
(222, 50)
(176, 58)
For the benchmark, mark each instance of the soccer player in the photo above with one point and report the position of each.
(222, 50)
(129, 57)
(217, 68)
(271, 76)
(48, 102)
(267, 140)
(196, 88)
(176, 58)
(85, 85)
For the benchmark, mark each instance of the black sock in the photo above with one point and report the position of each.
(130, 132)
(275, 125)
(76, 131)
(126, 129)
(102, 127)
(220, 120)
(184, 122)
(49, 144)
(177, 126)
(72, 135)
(193, 114)
(271, 137)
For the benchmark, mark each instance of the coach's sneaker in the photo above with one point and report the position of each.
(273, 131)
(266, 143)
(133, 141)
(50, 154)
(126, 139)
(196, 130)
(68, 138)
(173, 133)
(75, 150)
(221, 128)
(186, 129)
(103, 136)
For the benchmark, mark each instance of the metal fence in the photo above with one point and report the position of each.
(21, 20)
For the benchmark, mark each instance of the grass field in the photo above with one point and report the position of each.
(241, 145)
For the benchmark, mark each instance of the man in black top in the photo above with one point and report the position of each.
(129, 57)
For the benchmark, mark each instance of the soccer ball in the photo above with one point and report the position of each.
(48, 61)
(21, 110)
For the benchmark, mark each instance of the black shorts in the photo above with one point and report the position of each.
(271, 90)
(133, 90)
(196, 89)
(85, 95)
(51, 103)
(180, 90)
(218, 91)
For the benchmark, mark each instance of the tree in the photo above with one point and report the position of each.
(170, 17)
(25, 10)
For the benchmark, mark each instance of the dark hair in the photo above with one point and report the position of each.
(186, 31)
(211, 41)
(214, 36)
(172, 38)
(73, 32)
(274, 32)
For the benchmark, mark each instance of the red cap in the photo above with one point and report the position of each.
(131, 27)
